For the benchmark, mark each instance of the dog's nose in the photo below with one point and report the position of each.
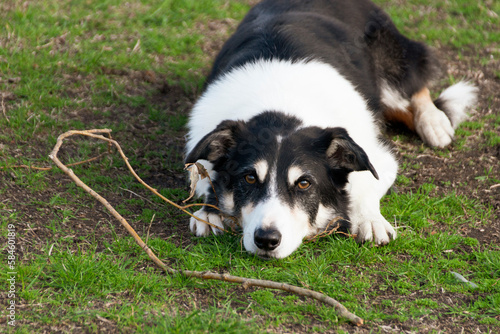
(267, 239)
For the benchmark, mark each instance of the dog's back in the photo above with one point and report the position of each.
(355, 37)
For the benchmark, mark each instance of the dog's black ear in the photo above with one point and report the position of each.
(216, 144)
(344, 153)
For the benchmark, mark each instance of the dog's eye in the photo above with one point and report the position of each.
(251, 179)
(303, 184)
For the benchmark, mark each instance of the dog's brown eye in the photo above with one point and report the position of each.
(304, 184)
(250, 179)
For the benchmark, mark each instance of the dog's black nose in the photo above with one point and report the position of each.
(267, 239)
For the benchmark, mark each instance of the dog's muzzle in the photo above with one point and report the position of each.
(267, 239)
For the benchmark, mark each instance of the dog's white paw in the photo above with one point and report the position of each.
(201, 229)
(434, 127)
(378, 230)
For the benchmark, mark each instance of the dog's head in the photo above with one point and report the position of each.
(282, 180)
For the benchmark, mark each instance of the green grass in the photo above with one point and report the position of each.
(77, 284)
(454, 23)
(121, 65)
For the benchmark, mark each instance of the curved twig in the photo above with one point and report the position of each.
(50, 168)
(246, 282)
(95, 133)
(331, 228)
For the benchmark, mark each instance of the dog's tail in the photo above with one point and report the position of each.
(455, 101)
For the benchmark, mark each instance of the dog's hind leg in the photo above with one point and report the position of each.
(435, 121)
(431, 124)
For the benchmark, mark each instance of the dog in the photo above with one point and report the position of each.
(289, 123)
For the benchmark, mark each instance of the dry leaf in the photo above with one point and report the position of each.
(196, 172)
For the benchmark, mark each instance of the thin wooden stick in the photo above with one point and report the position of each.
(246, 282)
(331, 228)
(68, 165)
(94, 133)
(49, 168)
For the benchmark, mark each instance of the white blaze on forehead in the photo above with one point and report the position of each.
(294, 173)
(261, 168)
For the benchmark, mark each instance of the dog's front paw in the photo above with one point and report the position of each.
(378, 230)
(434, 127)
(201, 229)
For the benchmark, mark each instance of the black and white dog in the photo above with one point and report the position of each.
(289, 123)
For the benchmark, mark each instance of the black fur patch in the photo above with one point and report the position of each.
(354, 36)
